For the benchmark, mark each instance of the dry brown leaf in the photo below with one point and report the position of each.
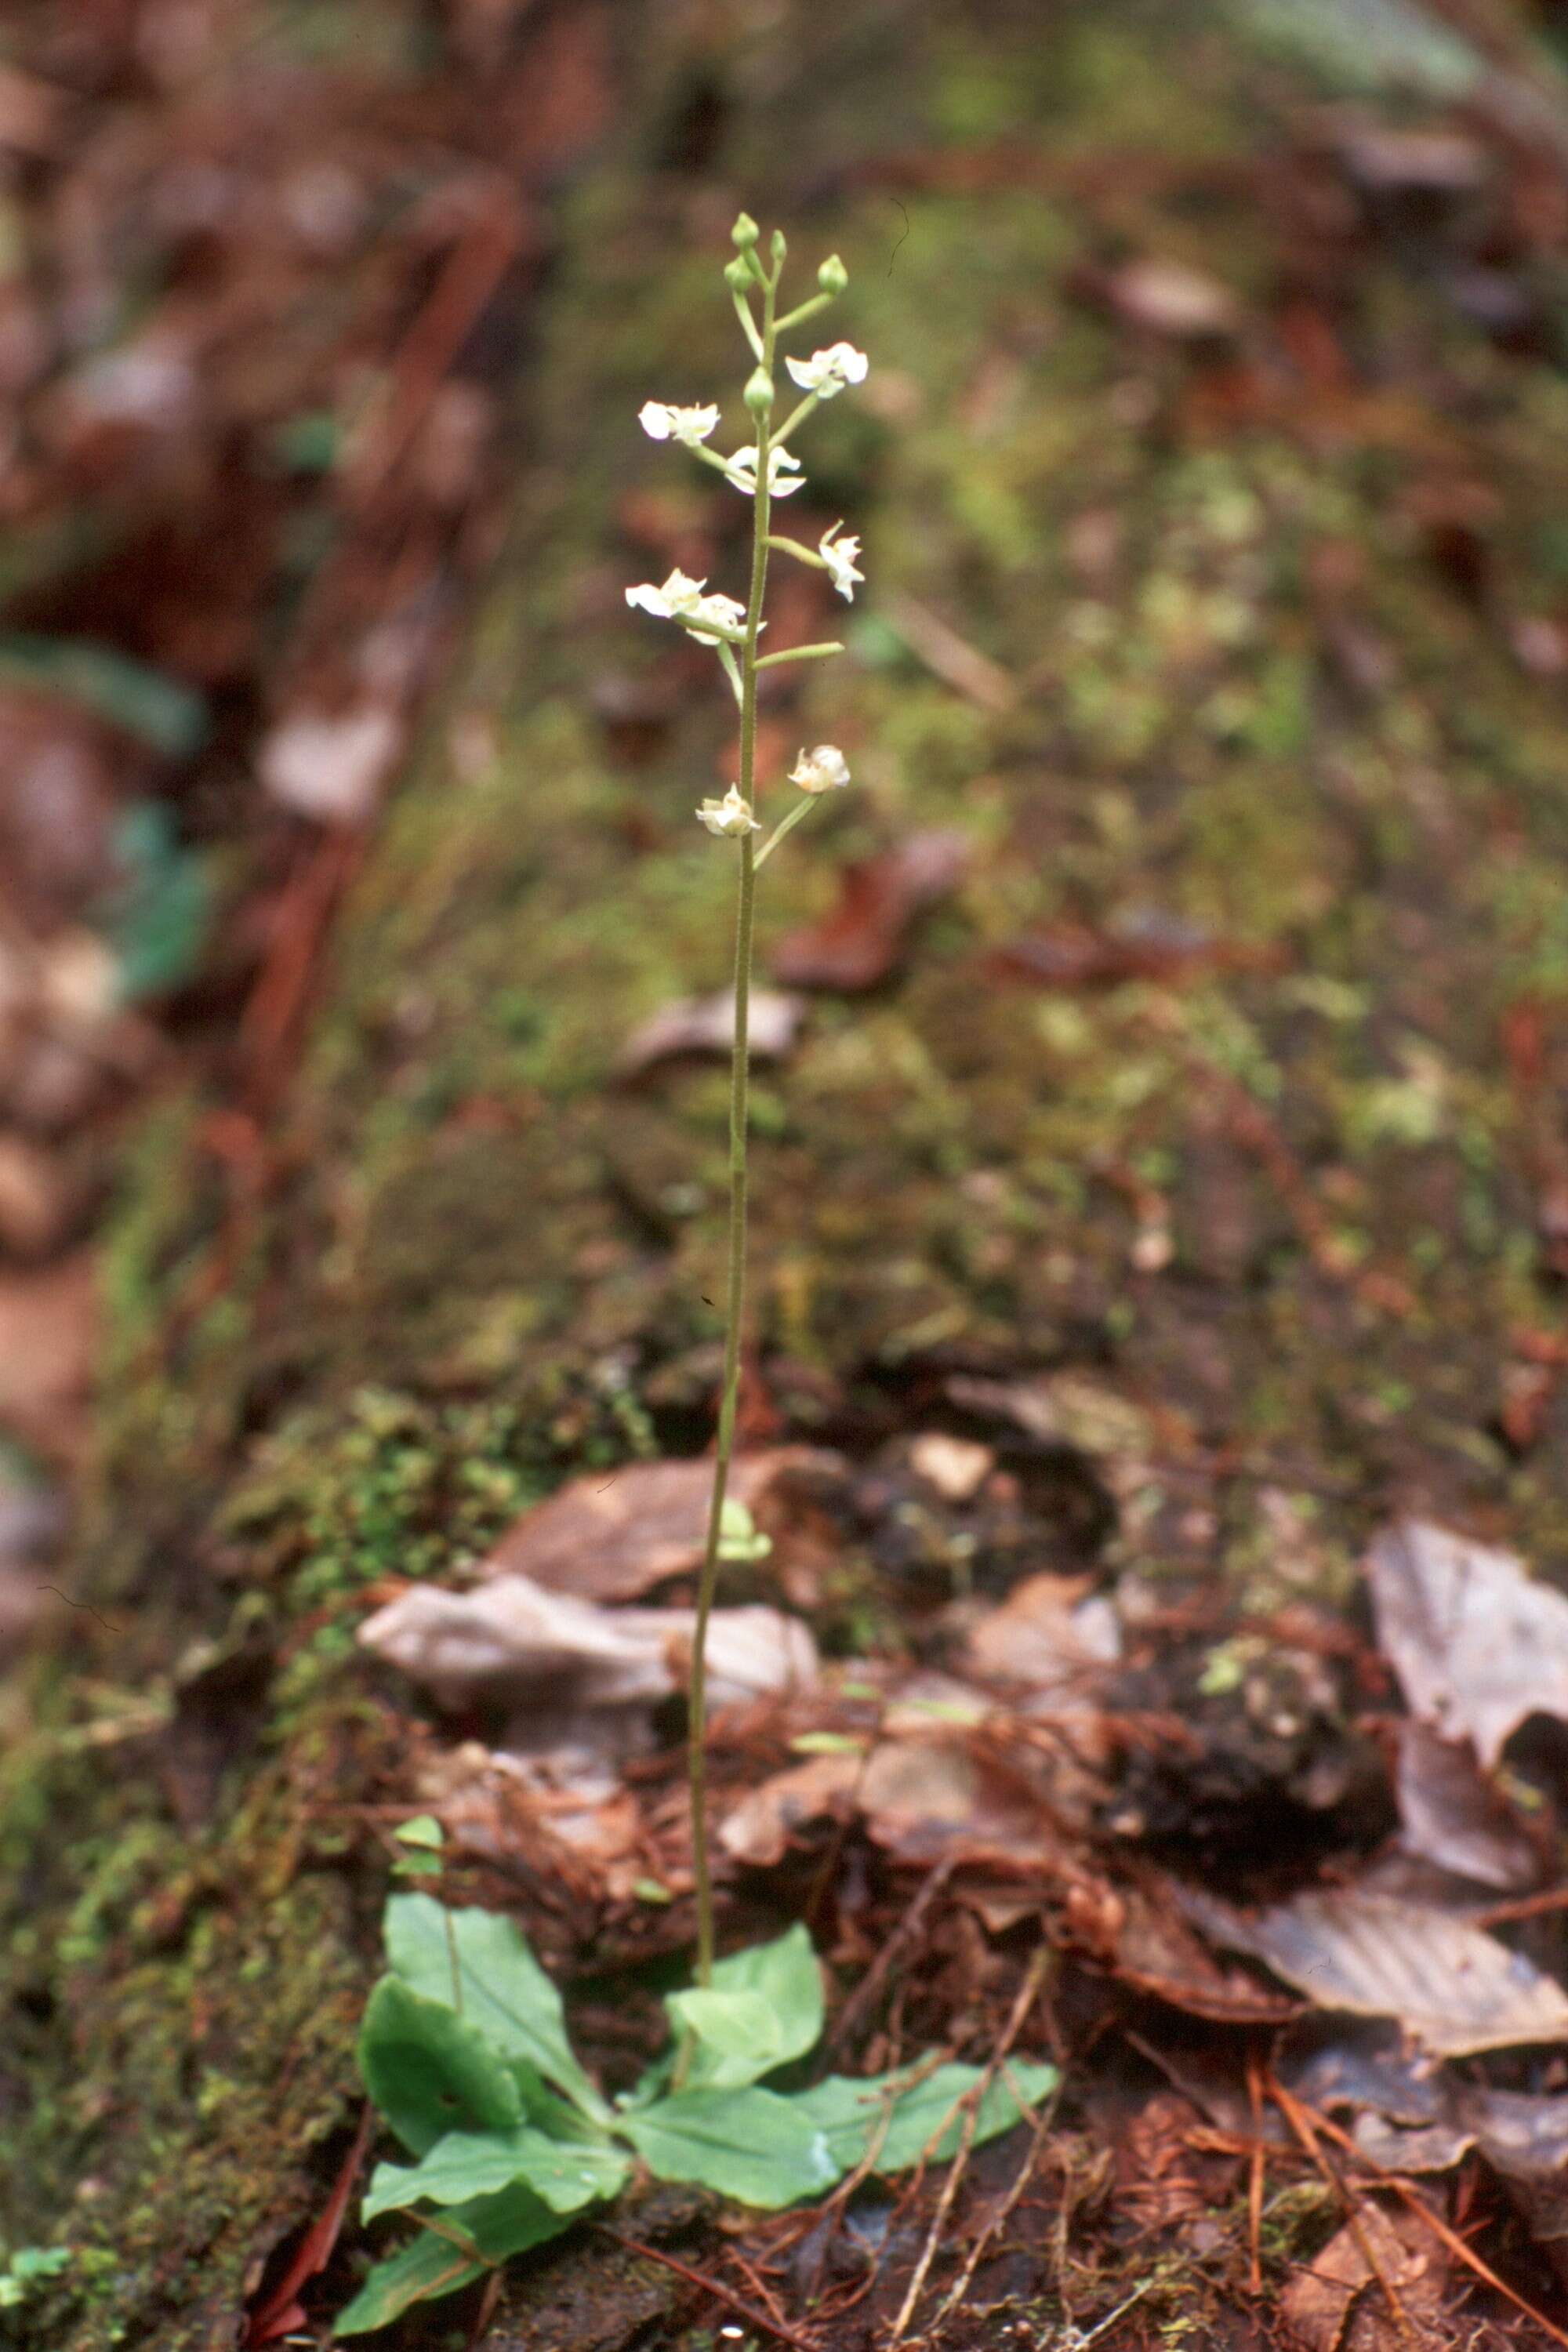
(1046, 1635)
(1451, 1816)
(1477, 1643)
(1169, 299)
(615, 1535)
(48, 1328)
(1338, 2302)
(758, 1830)
(859, 942)
(705, 1024)
(1452, 1987)
(511, 1637)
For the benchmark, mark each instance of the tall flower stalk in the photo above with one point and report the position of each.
(763, 469)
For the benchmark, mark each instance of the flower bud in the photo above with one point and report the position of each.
(833, 277)
(745, 232)
(759, 394)
(778, 247)
(737, 276)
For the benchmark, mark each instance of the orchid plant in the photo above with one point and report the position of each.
(464, 2046)
(763, 469)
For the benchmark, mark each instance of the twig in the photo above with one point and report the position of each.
(950, 657)
(1034, 1979)
(1001, 2212)
(1301, 2125)
(855, 2009)
(1254, 2170)
(1439, 2228)
(721, 2294)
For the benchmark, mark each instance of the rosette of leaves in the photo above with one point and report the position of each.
(465, 2052)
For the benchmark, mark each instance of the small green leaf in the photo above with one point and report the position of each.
(827, 1743)
(424, 1829)
(749, 2145)
(651, 1890)
(924, 2119)
(788, 1975)
(474, 2164)
(431, 2072)
(765, 2008)
(736, 2034)
(432, 2264)
(739, 1539)
(505, 1992)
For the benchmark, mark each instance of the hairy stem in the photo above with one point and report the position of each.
(736, 1295)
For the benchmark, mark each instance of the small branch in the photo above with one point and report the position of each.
(710, 631)
(803, 807)
(803, 554)
(1035, 1976)
(749, 2312)
(731, 670)
(796, 416)
(799, 653)
(744, 312)
(950, 657)
(801, 312)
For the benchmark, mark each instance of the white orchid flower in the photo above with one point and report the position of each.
(827, 373)
(741, 471)
(825, 770)
(839, 555)
(681, 599)
(660, 422)
(731, 816)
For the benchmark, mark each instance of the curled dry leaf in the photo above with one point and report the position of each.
(1477, 1644)
(1453, 1987)
(511, 1637)
(615, 1534)
(705, 1024)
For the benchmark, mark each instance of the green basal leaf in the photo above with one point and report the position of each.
(474, 2164)
(736, 2036)
(505, 1992)
(749, 2145)
(416, 2273)
(923, 2117)
(432, 2264)
(765, 2008)
(431, 2072)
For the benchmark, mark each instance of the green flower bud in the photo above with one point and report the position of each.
(745, 232)
(736, 274)
(833, 277)
(778, 247)
(759, 394)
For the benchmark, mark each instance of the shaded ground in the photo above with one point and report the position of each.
(1229, 1079)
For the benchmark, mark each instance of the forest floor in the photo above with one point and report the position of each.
(1158, 1394)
